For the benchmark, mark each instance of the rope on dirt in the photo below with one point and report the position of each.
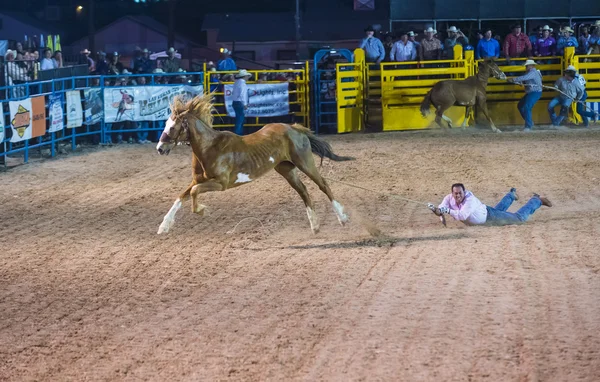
(241, 221)
(377, 192)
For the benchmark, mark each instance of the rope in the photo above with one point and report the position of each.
(376, 192)
(556, 90)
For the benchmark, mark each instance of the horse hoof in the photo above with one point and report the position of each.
(315, 230)
(164, 228)
(343, 219)
(199, 210)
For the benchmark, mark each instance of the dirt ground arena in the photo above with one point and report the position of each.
(90, 292)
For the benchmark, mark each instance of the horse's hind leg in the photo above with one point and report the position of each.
(289, 172)
(440, 115)
(306, 164)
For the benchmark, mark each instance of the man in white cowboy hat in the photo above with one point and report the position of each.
(565, 40)
(226, 63)
(545, 46)
(373, 47)
(430, 47)
(570, 90)
(517, 44)
(171, 64)
(412, 38)
(532, 80)
(239, 96)
(86, 59)
(585, 114)
(455, 36)
(487, 47)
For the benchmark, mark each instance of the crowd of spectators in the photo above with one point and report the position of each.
(543, 42)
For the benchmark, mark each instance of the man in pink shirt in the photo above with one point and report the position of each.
(463, 206)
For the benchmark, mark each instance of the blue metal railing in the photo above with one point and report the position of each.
(98, 131)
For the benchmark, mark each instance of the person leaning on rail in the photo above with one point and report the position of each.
(463, 206)
(532, 80)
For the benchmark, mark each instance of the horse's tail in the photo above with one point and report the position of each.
(319, 146)
(426, 104)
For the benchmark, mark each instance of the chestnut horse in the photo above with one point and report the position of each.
(468, 92)
(222, 160)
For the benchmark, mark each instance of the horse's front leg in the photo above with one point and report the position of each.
(169, 218)
(467, 115)
(482, 103)
(208, 186)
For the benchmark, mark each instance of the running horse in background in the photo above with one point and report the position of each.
(222, 160)
(468, 93)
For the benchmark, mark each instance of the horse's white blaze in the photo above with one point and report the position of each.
(170, 123)
(339, 211)
(169, 218)
(312, 218)
(242, 178)
(271, 160)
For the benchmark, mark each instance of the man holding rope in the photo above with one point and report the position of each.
(463, 206)
(569, 90)
(532, 80)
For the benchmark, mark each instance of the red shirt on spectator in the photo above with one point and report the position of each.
(516, 45)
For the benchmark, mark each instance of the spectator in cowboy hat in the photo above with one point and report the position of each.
(545, 46)
(86, 59)
(570, 90)
(403, 49)
(594, 41)
(171, 64)
(114, 66)
(388, 43)
(532, 80)
(487, 47)
(239, 97)
(430, 47)
(517, 44)
(102, 64)
(567, 39)
(412, 38)
(455, 36)
(373, 47)
(226, 63)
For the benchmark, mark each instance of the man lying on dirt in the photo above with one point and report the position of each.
(463, 206)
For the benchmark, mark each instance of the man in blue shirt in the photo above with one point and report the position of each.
(226, 64)
(373, 47)
(487, 47)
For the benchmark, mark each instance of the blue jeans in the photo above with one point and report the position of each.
(525, 106)
(500, 216)
(564, 109)
(583, 112)
(142, 135)
(238, 107)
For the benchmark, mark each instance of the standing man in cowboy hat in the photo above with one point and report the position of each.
(585, 114)
(373, 47)
(569, 90)
(594, 41)
(584, 40)
(532, 80)
(545, 46)
(430, 47)
(567, 39)
(403, 49)
(517, 44)
(239, 96)
(487, 47)
(171, 64)
(412, 38)
(86, 59)
(455, 36)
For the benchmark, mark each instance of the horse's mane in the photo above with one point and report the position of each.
(200, 106)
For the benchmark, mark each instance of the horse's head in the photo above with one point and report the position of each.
(176, 130)
(493, 69)
(185, 113)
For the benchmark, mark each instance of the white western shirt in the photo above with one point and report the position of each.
(240, 91)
